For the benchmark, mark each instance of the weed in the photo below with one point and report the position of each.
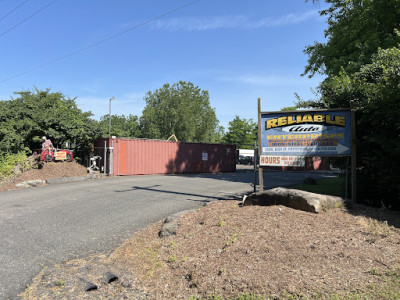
(375, 227)
(290, 296)
(249, 296)
(172, 245)
(156, 266)
(379, 228)
(375, 272)
(394, 273)
(150, 258)
(60, 282)
(172, 258)
(233, 238)
(151, 253)
(221, 271)
(212, 297)
(221, 222)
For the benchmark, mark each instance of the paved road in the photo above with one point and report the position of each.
(54, 223)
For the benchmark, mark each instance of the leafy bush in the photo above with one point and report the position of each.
(9, 161)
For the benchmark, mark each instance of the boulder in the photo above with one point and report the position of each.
(296, 199)
(30, 183)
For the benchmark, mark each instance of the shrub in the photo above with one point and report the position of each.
(9, 161)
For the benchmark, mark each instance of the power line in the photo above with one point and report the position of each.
(101, 41)
(11, 11)
(27, 18)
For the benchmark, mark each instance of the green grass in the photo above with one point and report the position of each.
(332, 186)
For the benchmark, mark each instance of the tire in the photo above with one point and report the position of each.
(69, 158)
(48, 158)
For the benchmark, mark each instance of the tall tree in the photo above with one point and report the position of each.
(375, 92)
(361, 59)
(121, 126)
(181, 109)
(356, 29)
(25, 119)
(241, 132)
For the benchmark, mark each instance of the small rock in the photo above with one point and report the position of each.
(169, 229)
(126, 285)
(91, 287)
(111, 277)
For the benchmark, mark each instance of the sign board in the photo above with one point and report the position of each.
(204, 156)
(305, 133)
(282, 161)
(61, 155)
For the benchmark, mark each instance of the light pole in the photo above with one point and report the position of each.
(109, 117)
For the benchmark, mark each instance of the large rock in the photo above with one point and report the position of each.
(30, 183)
(297, 199)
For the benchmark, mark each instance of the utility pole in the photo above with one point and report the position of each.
(109, 117)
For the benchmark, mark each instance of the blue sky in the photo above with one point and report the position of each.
(237, 50)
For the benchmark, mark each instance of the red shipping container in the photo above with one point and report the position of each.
(141, 156)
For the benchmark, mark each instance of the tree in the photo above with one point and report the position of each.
(361, 60)
(356, 29)
(25, 119)
(121, 126)
(241, 132)
(289, 108)
(181, 109)
(375, 91)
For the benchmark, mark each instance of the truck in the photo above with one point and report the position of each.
(245, 156)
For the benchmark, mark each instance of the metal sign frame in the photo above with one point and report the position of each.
(286, 137)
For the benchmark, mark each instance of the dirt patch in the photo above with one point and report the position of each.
(49, 170)
(227, 250)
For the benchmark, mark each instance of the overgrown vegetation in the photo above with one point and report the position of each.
(361, 59)
(8, 163)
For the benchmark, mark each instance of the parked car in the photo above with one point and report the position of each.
(245, 160)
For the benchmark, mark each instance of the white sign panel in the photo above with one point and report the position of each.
(282, 161)
(204, 156)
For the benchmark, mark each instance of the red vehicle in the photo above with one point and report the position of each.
(56, 155)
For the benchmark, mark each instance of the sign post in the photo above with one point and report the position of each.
(260, 169)
(353, 155)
